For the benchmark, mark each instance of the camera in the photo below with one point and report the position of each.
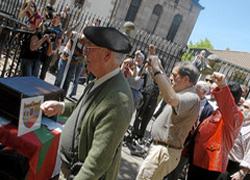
(66, 54)
(52, 33)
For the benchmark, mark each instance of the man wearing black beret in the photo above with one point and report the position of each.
(92, 136)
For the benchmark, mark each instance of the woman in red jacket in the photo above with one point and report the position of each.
(216, 134)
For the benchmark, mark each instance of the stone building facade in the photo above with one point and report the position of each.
(101, 8)
(170, 19)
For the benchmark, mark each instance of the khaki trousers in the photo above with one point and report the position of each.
(160, 161)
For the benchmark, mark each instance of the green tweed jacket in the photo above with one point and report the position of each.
(105, 117)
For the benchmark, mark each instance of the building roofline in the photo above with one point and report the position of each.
(196, 2)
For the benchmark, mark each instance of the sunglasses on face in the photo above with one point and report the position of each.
(245, 106)
(209, 80)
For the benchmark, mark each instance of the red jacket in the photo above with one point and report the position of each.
(217, 133)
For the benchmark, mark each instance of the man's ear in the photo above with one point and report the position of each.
(186, 78)
(108, 55)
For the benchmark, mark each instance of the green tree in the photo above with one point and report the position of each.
(201, 44)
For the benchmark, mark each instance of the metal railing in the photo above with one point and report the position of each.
(168, 52)
(11, 37)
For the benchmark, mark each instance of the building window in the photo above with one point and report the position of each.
(176, 2)
(174, 27)
(191, 8)
(79, 3)
(132, 10)
(154, 18)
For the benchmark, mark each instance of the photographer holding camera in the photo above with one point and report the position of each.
(54, 30)
(76, 64)
(33, 47)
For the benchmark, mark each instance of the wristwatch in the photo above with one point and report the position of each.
(242, 173)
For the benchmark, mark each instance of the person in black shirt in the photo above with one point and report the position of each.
(55, 31)
(33, 47)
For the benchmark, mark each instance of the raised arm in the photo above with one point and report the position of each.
(168, 93)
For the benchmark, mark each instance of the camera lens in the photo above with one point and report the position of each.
(66, 54)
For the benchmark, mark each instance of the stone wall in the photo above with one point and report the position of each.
(186, 8)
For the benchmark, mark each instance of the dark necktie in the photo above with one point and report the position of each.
(89, 87)
(81, 103)
(86, 91)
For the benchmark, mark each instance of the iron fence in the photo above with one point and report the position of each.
(10, 44)
(12, 35)
(168, 52)
(78, 18)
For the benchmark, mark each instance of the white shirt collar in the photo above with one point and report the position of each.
(245, 129)
(106, 77)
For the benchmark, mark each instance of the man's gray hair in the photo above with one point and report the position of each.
(119, 57)
(188, 69)
(203, 86)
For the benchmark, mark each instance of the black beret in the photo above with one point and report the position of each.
(108, 37)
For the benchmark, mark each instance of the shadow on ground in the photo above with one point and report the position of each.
(128, 170)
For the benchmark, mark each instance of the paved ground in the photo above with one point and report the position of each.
(129, 164)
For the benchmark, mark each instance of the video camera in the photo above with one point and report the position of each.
(52, 34)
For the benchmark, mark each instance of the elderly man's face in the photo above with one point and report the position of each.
(178, 82)
(95, 58)
(245, 108)
(151, 50)
(201, 93)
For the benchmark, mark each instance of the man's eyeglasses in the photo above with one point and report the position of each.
(88, 49)
(245, 106)
(174, 75)
(209, 80)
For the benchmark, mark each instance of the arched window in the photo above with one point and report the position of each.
(191, 8)
(154, 18)
(176, 2)
(174, 27)
(132, 10)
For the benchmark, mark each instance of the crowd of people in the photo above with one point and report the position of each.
(211, 139)
(51, 45)
(199, 123)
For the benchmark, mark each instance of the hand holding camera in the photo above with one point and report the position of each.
(46, 37)
(66, 53)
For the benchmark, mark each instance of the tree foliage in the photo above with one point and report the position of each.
(201, 44)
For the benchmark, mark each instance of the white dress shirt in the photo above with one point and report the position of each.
(241, 150)
(106, 77)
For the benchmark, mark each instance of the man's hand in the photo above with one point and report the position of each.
(237, 176)
(154, 65)
(154, 62)
(46, 37)
(219, 79)
(52, 108)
